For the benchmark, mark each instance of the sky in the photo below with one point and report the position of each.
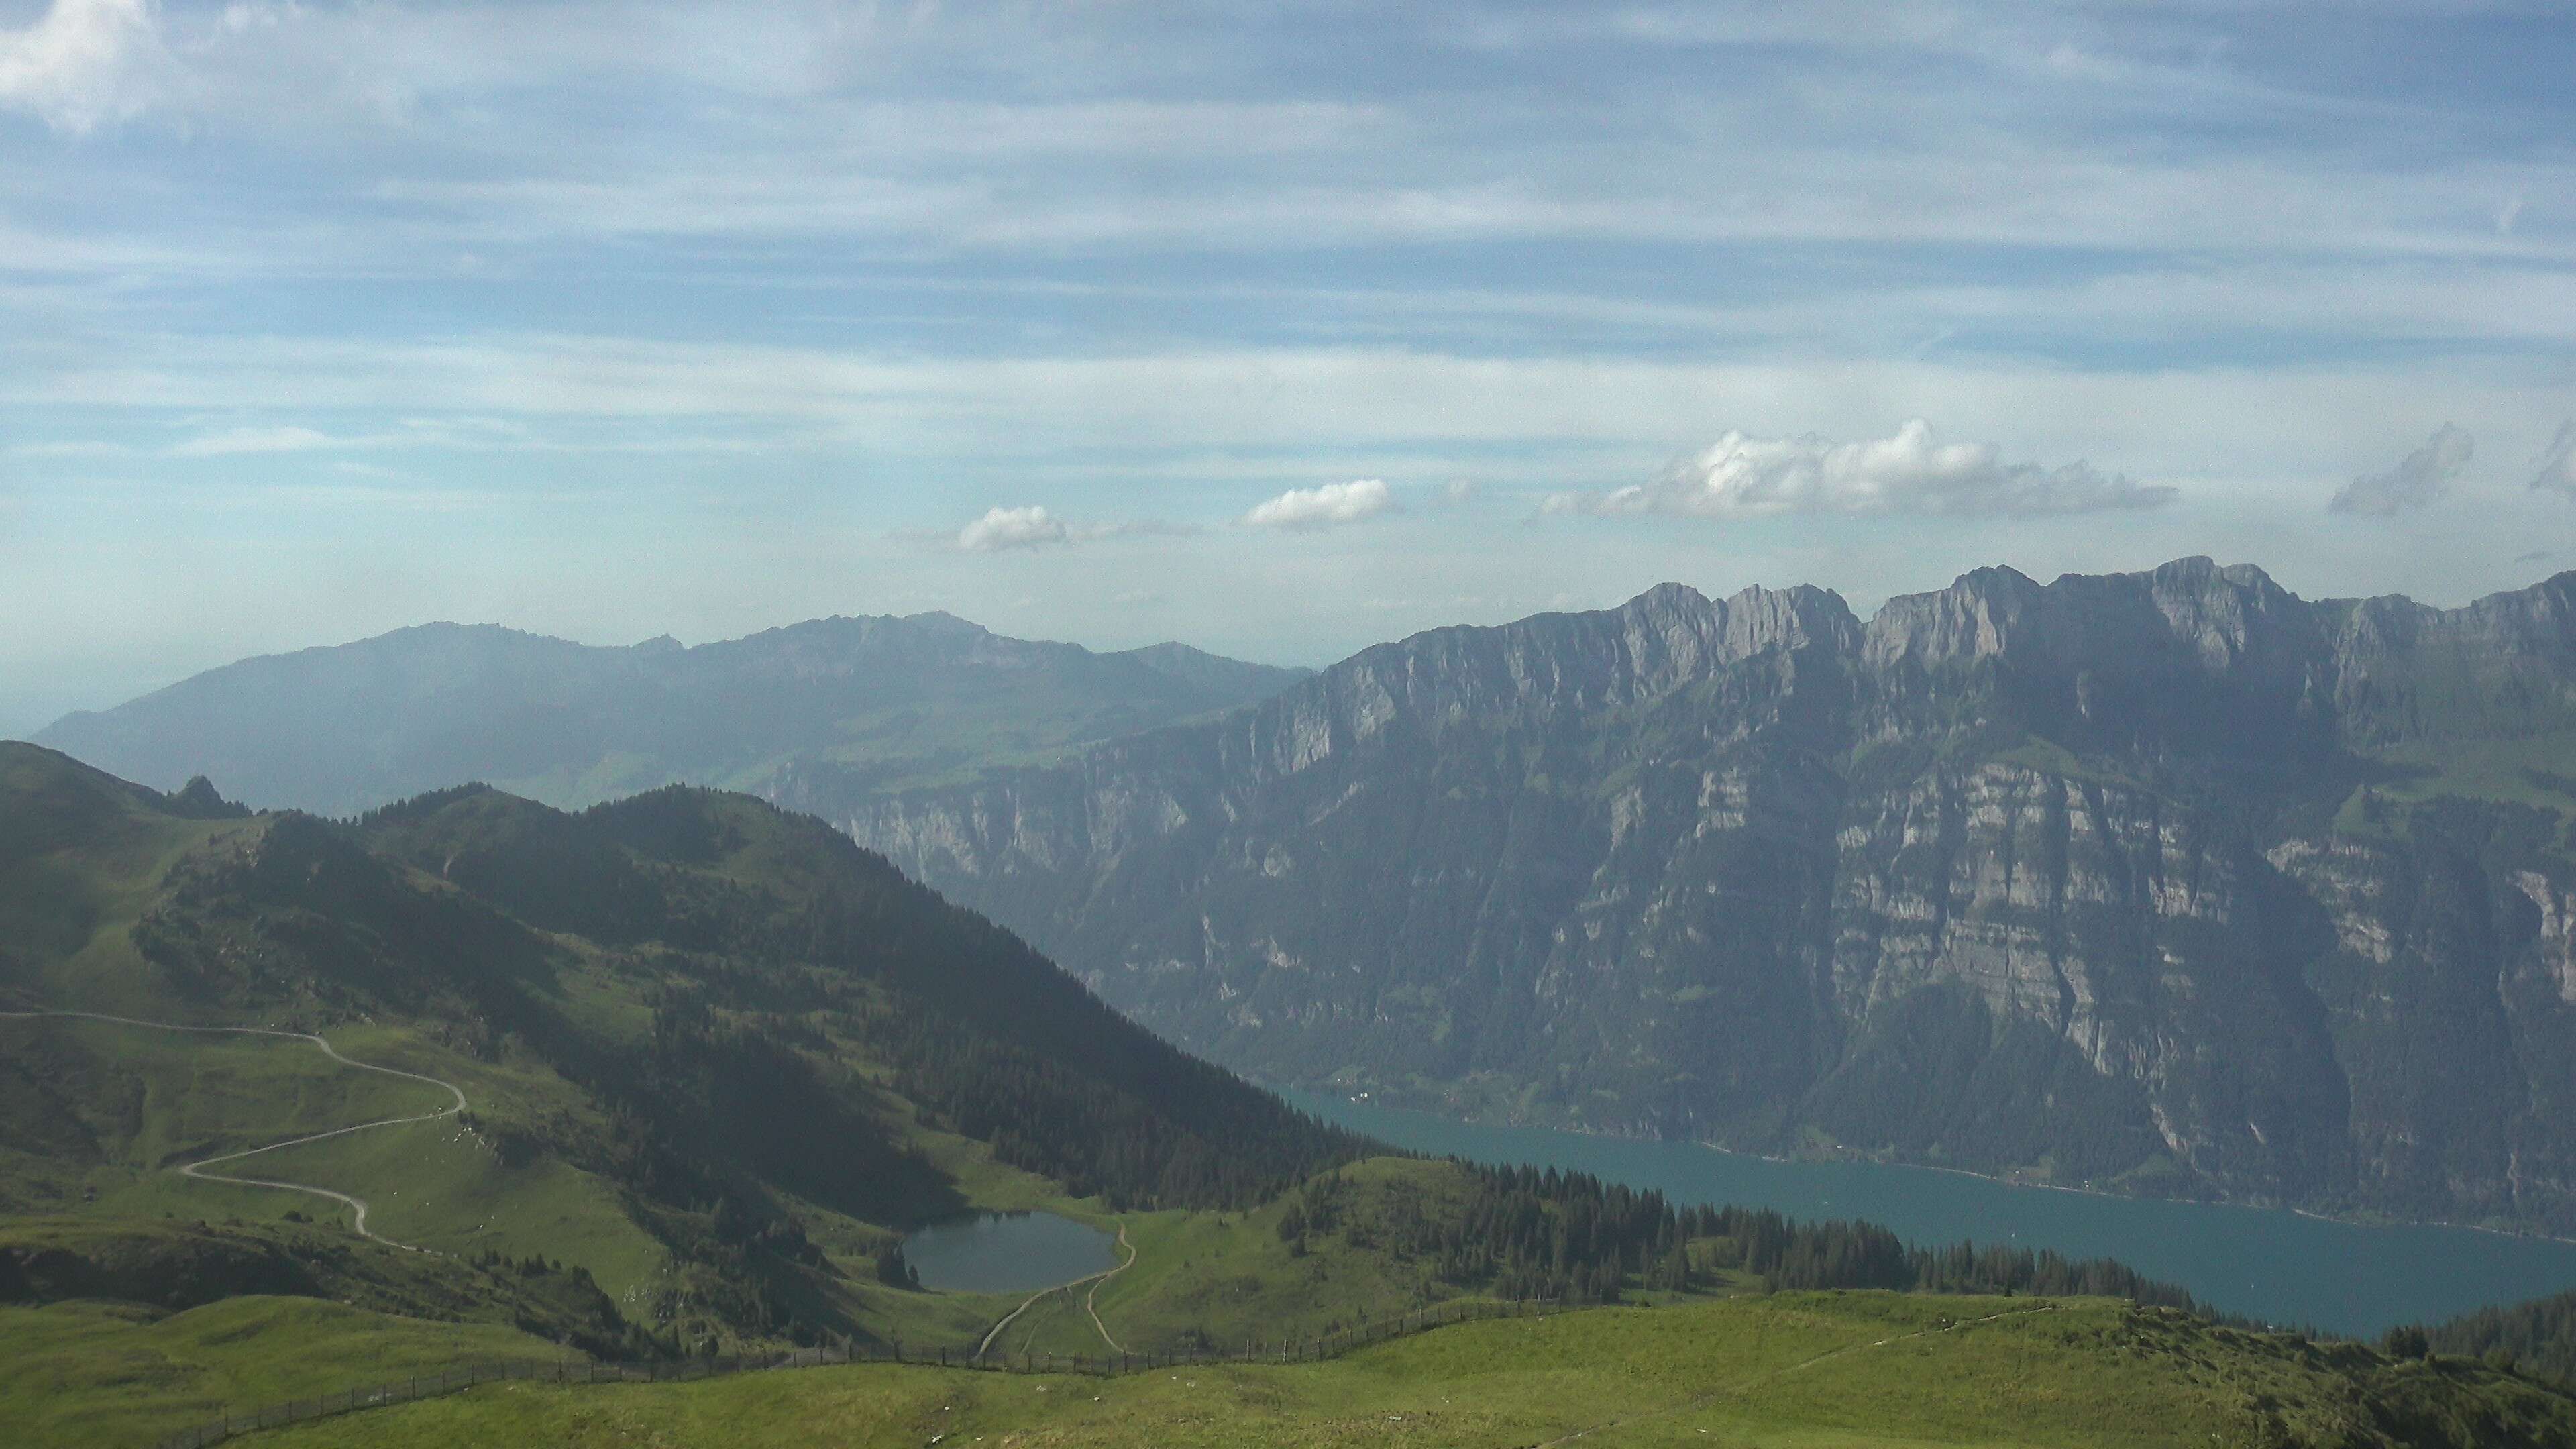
(1277, 329)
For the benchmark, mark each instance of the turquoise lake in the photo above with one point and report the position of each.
(1008, 1253)
(2263, 1262)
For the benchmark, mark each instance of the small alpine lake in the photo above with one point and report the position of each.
(2266, 1263)
(1018, 1252)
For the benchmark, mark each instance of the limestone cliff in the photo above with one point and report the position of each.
(2169, 881)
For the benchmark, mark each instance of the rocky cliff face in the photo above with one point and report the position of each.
(2161, 881)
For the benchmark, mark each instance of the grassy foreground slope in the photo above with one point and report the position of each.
(1846, 1369)
(108, 1373)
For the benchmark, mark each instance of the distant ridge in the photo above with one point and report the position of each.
(895, 700)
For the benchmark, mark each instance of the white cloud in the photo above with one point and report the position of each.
(1006, 528)
(1324, 506)
(1457, 491)
(2557, 470)
(2418, 479)
(1035, 527)
(1911, 472)
(252, 440)
(84, 63)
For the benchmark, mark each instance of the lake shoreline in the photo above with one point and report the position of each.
(1862, 1159)
(2289, 1266)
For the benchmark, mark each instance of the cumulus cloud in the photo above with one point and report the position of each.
(1457, 491)
(1006, 528)
(2557, 470)
(1323, 506)
(1035, 527)
(1910, 472)
(83, 63)
(2418, 479)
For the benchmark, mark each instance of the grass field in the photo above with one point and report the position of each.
(1867, 1370)
(1230, 1277)
(114, 1374)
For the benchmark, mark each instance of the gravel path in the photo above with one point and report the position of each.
(1095, 1280)
(197, 1169)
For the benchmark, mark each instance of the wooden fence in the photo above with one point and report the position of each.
(563, 1371)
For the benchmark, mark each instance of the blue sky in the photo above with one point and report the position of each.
(1277, 329)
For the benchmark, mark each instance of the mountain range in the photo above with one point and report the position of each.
(874, 702)
(2167, 882)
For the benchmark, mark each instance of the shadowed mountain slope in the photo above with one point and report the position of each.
(714, 1053)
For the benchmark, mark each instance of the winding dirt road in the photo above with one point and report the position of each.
(196, 1169)
(1090, 1301)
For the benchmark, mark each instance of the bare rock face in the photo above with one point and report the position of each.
(2113, 881)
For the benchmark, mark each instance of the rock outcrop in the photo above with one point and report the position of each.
(2162, 881)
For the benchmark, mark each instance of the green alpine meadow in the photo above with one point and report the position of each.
(663, 1085)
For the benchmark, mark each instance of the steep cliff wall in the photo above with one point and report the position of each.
(2108, 881)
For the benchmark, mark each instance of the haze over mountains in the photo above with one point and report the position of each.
(880, 700)
(2167, 882)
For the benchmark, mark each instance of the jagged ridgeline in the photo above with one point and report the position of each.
(2169, 882)
(703, 1041)
(716, 1055)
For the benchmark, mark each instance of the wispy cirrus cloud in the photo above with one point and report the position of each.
(234, 441)
(740, 268)
(2556, 470)
(2417, 480)
(1911, 471)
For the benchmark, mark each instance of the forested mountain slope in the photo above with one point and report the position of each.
(715, 1054)
(2167, 881)
(869, 701)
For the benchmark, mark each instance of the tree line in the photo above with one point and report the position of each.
(1531, 1232)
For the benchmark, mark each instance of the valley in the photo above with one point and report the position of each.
(1507, 724)
(2273, 1264)
(2170, 883)
(684, 1074)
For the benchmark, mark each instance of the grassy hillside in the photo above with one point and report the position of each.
(1857, 1369)
(116, 1374)
(716, 1061)
(713, 1053)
